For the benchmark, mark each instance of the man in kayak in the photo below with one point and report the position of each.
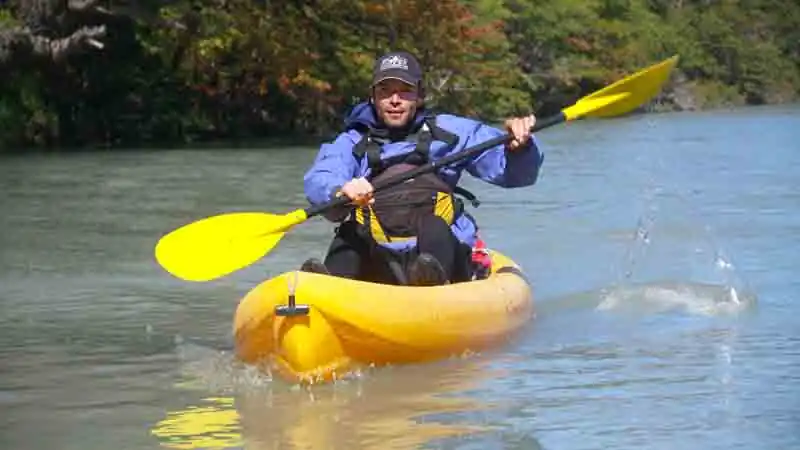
(416, 233)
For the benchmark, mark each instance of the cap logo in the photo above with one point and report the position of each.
(394, 62)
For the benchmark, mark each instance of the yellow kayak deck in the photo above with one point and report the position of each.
(342, 324)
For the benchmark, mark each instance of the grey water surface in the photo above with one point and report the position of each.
(663, 251)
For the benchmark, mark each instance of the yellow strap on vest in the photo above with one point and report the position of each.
(444, 208)
(375, 229)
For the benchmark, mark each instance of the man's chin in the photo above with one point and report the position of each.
(396, 123)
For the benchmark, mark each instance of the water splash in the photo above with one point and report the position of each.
(641, 240)
(660, 274)
(217, 371)
(701, 277)
(691, 298)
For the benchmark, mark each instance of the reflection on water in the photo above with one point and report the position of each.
(394, 407)
(213, 424)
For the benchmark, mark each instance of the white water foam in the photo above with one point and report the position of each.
(691, 298)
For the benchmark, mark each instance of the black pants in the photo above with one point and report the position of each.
(353, 255)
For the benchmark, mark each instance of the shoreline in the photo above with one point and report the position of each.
(289, 140)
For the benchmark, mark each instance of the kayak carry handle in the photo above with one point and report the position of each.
(292, 309)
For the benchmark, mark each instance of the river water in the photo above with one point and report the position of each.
(662, 250)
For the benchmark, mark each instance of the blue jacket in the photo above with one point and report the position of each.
(335, 163)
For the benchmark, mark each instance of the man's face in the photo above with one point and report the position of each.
(396, 102)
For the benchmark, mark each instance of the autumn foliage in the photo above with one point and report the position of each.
(181, 71)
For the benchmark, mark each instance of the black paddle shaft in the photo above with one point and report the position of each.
(433, 165)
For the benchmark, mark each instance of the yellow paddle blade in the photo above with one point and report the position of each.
(216, 246)
(585, 107)
(625, 95)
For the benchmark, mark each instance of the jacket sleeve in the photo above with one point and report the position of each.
(333, 166)
(500, 167)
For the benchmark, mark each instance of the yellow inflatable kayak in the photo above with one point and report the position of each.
(312, 328)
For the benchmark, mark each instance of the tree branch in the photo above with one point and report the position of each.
(83, 5)
(15, 42)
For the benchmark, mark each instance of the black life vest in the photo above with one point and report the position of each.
(397, 210)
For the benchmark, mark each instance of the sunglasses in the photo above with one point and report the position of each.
(405, 93)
